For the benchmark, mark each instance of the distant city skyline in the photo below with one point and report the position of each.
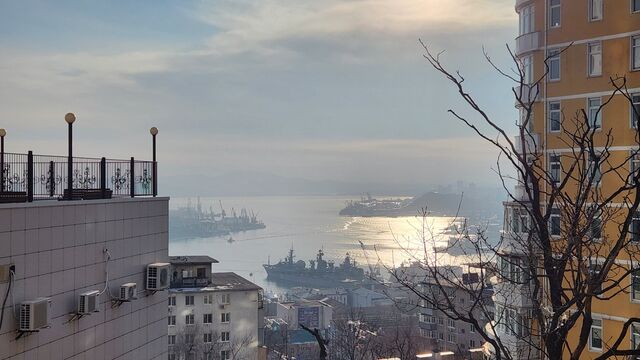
(332, 91)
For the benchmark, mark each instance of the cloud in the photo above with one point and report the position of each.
(267, 26)
(298, 86)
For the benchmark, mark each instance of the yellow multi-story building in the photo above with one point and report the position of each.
(585, 43)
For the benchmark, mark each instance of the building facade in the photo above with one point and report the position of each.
(212, 315)
(61, 249)
(576, 47)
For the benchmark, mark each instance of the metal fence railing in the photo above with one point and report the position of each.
(28, 177)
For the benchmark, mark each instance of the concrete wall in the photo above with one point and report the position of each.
(57, 248)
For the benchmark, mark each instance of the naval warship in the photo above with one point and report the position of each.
(320, 273)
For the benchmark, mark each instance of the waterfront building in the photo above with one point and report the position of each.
(212, 315)
(64, 260)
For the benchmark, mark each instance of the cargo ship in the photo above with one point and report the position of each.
(320, 273)
(194, 221)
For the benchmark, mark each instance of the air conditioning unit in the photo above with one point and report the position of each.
(35, 314)
(128, 292)
(157, 276)
(88, 302)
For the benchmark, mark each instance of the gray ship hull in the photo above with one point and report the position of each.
(326, 282)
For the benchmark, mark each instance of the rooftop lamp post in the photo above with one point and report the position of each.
(154, 132)
(3, 132)
(70, 118)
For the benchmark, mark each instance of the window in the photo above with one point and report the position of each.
(208, 299)
(634, 165)
(451, 338)
(635, 227)
(516, 270)
(519, 221)
(596, 225)
(635, 284)
(554, 116)
(225, 355)
(595, 338)
(225, 299)
(635, 53)
(553, 62)
(635, 337)
(225, 317)
(526, 20)
(172, 320)
(594, 53)
(189, 319)
(595, 10)
(172, 301)
(451, 323)
(635, 5)
(225, 336)
(554, 13)
(594, 272)
(440, 320)
(472, 329)
(635, 110)
(207, 318)
(527, 69)
(555, 169)
(593, 172)
(189, 300)
(172, 356)
(201, 273)
(189, 338)
(208, 337)
(554, 222)
(504, 268)
(440, 336)
(187, 273)
(171, 339)
(594, 112)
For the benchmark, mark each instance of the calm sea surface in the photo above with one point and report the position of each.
(307, 224)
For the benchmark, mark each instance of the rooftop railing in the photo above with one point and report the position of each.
(29, 177)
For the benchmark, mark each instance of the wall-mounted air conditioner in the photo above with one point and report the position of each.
(88, 302)
(35, 314)
(128, 292)
(157, 276)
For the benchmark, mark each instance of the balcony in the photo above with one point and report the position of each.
(29, 177)
(427, 326)
(191, 282)
(528, 42)
(530, 145)
(526, 94)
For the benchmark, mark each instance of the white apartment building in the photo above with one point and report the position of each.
(212, 315)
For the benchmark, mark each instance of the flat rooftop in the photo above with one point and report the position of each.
(222, 281)
(192, 259)
(231, 281)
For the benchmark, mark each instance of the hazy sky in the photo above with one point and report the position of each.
(303, 88)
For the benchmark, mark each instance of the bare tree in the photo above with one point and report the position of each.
(352, 337)
(401, 340)
(193, 342)
(570, 243)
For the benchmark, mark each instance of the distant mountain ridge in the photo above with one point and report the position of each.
(249, 183)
